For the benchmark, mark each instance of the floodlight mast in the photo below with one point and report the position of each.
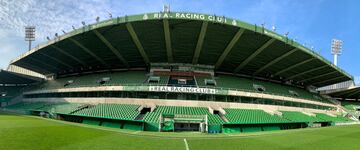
(30, 35)
(166, 8)
(336, 49)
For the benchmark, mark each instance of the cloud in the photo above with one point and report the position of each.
(51, 17)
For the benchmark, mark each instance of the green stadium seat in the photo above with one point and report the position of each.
(252, 116)
(299, 117)
(111, 111)
(233, 82)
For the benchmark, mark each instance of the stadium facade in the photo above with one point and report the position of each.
(176, 72)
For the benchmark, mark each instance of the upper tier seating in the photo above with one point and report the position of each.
(200, 80)
(299, 117)
(252, 116)
(9, 92)
(60, 108)
(163, 80)
(117, 78)
(351, 105)
(26, 106)
(234, 82)
(111, 111)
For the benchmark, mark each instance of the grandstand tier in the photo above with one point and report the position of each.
(132, 117)
(174, 71)
(228, 44)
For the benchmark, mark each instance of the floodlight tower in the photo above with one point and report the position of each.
(166, 8)
(30, 34)
(336, 49)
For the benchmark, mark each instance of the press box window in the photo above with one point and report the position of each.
(69, 82)
(182, 81)
(259, 88)
(293, 93)
(154, 79)
(210, 82)
(104, 80)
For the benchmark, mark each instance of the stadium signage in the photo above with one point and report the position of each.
(182, 89)
(213, 18)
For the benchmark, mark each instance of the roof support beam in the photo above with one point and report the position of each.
(253, 55)
(89, 52)
(111, 47)
(305, 72)
(200, 42)
(229, 47)
(57, 60)
(36, 68)
(42, 63)
(68, 55)
(169, 50)
(137, 42)
(315, 77)
(328, 80)
(352, 94)
(293, 66)
(345, 93)
(275, 61)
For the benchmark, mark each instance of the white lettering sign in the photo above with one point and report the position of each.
(213, 18)
(182, 89)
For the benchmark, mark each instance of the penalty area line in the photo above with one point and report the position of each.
(186, 144)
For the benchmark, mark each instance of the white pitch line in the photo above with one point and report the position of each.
(186, 144)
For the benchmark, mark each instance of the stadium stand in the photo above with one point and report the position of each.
(116, 78)
(110, 111)
(299, 117)
(351, 105)
(200, 80)
(9, 92)
(228, 71)
(234, 82)
(252, 116)
(26, 106)
(152, 118)
(60, 108)
(326, 117)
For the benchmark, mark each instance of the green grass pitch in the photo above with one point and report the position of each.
(25, 132)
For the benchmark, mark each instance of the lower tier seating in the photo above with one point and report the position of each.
(326, 117)
(299, 117)
(111, 111)
(154, 116)
(252, 116)
(26, 106)
(126, 116)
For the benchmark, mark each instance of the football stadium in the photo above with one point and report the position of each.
(176, 80)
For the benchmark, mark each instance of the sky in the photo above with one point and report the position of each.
(311, 22)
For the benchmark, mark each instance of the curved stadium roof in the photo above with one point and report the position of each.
(136, 41)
